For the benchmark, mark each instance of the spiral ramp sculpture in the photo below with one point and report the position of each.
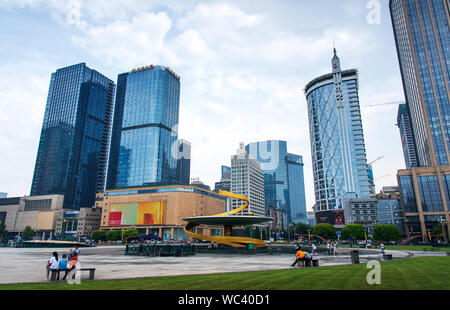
(227, 219)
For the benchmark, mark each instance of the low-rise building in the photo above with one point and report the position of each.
(159, 210)
(361, 211)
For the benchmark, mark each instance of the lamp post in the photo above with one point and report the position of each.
(443, 222)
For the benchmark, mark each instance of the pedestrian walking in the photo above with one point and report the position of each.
(314, 249)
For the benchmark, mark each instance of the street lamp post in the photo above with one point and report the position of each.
(443, 222)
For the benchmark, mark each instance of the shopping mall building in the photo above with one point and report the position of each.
(159, 210)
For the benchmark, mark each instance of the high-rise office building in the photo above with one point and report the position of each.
(406, 135)
(225, 181)
(284, 187)
(296, 184)
(72, 154)
(184, 162)
(247, 179)
(143, 134)
(422, 36)
(337, 142)
(226, 173)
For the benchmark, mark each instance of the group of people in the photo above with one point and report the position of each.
(331, 248)
(66, 264)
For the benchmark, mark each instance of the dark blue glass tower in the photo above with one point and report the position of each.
(296, 181)
(422, 36)
(72, 153)
(143, 137)
(284, 187)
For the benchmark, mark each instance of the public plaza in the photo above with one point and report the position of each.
(111, 263)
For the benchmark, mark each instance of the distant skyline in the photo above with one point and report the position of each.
(243, 67)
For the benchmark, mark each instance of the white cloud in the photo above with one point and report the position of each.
(127, 44)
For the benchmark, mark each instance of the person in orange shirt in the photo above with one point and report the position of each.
(301, 256)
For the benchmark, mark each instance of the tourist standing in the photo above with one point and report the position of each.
(53, 265)
(334, 248)
(329, 248)
(314, 249)
(382, 248)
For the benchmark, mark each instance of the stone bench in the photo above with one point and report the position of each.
(308, 263)
(54, 274)
(387, 256)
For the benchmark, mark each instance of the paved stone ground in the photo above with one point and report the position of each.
(20, 265)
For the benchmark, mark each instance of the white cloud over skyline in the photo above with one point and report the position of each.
(243, 67)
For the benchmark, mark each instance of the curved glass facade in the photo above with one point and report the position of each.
(337, 141)
(147, 107)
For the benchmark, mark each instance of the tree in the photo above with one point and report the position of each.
(354, 231)
(130, 233)
(28, 233)
(302, 229)
(437, 230)
(114, 235)
(386, 232)
(99, 235)
(325, 230)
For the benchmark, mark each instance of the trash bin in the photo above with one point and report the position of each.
(251, 246)
(354, 255)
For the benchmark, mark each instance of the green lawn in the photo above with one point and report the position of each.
(417, 273)
(404, 247)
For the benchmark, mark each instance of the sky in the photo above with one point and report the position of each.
(243, 67)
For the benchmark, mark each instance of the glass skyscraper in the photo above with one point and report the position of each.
(73, 147)
(283, 179)
(143, 137)
(296, 184)
(422, 36)
(337, 141)
(406, 135)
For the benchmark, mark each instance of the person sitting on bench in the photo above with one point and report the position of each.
(302, 256)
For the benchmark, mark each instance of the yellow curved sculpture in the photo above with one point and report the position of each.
(226, 240)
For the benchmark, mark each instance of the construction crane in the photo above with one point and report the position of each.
(381, 157)
(380, 104)
(383, 176)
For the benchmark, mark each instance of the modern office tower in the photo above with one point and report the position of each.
(284, 187)
(389, 208)
(406, 135)
(72, 154)
(422, 36)
(143, 134)
(362, 211)
(296, 185)
(247, 178)
(337, 141)
(184, 162)
(226, 173)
